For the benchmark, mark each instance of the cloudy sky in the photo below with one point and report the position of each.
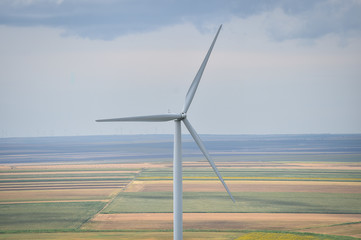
(278, 67)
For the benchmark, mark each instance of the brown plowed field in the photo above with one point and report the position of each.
(60, 186)
(249, 186)
(222, 221)
(71, 194)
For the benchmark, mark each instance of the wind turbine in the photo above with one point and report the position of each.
(177, 158)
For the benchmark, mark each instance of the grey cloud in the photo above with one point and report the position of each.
(319, 19)
(108, 19)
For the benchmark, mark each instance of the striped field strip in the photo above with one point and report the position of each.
(256, 178)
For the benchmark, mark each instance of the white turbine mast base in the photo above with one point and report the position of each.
(177, 183)
(177, 157)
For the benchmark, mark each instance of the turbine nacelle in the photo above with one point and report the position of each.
(183, 116)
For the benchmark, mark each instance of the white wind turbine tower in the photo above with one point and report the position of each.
(177, 159)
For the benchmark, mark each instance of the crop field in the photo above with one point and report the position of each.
(149, 235)
(50, 215)
(220, 221)
(61, 198)
(279, 195)
(257, 174)
(249, 186)
(258, 202)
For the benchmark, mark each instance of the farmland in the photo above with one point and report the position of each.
(97, 192)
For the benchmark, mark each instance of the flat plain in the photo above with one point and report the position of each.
(289, 195)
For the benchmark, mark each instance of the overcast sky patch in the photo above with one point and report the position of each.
(278, 66)
(109, 19)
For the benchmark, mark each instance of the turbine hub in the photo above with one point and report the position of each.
(183, 116)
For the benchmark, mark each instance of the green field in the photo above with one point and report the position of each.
(256, 174)
(47, 216)
(247, 202)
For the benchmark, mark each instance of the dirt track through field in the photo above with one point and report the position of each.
(109, 202)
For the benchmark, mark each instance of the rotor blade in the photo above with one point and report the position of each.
(193, 88)
(205, 153)
(150, 118)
